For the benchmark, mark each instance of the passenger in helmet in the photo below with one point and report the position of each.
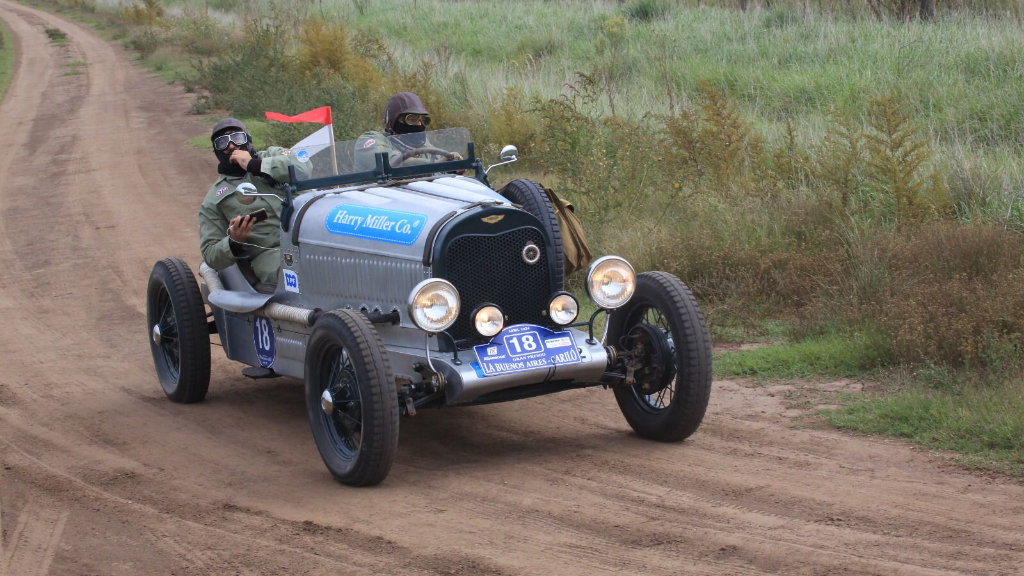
(227, 232)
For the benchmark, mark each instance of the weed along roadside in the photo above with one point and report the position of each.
(780, 161)
(6, 59)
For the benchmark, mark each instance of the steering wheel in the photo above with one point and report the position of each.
(428, 150)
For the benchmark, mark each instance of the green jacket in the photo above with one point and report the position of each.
(372, 143)
(222, 205)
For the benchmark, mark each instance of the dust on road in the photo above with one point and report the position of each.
(102, 475)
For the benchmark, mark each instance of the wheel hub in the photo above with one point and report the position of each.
(157, 336)
(327, 402)
(651, 359)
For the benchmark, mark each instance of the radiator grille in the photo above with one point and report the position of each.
(491, 269)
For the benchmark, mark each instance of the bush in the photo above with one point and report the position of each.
(259, 74)
(897, 164)
(955, 297)
(198, 33)
(146, 13)
(145, 41)
(56, 34)
(510, 122)
(645, 10)
(325, 52)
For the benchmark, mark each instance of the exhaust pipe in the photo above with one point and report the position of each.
(271, 310)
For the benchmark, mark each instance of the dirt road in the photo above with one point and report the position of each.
(102, 475)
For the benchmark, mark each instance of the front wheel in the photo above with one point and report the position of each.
(662, 334)
(351, 398)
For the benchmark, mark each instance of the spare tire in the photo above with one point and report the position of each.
(532, 197)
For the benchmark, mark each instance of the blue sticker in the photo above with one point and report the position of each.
(302, 155)
(264, 340)
(391, 226)
(526, 347)
(291, 281)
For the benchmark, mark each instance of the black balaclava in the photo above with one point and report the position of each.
(405, 103)
(225, 166)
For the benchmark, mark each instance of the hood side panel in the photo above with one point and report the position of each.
(336, 278)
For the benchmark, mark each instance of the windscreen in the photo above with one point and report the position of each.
(405, 150)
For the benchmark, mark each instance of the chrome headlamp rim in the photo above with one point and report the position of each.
(415, 292)
(480, 308)
(551, 303)
(590, 273)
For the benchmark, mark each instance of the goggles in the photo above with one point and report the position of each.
(238, 138)
(414, 119)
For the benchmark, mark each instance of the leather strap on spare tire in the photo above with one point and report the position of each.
(532, 197)
(572, 242)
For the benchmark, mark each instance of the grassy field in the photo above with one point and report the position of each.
(6, 59)
(962, 75)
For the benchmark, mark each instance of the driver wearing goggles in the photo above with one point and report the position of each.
(227, 234)
(405, 125)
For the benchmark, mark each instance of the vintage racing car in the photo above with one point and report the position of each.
(408, 286)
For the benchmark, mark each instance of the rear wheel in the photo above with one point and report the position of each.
(663, 332)
(179, 336)
(532, 197)
(351, 398)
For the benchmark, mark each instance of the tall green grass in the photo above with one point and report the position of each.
(961, 74)
(6, 59)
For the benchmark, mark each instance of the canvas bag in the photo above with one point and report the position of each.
(574, 241)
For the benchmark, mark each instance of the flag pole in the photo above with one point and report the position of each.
(334, 154)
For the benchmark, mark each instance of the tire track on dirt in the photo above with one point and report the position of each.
(33, 543)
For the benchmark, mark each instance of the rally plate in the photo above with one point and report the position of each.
(525, 347)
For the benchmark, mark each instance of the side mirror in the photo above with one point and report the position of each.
(509, 152)
(246, 193)
(508, 155)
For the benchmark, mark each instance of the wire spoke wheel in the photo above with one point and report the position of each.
(178, 332)
(169, 345)
(351, 398)
(662, 334)
(346, 417)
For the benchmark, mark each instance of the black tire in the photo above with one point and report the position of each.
(181, 354)
(534, 200)
(359, 439)
(663, 301)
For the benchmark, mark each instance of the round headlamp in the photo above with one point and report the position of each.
(563, 309)
(610, 282)
(434, 304)
(488, 320)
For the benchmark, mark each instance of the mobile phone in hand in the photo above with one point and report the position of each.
(257, 216)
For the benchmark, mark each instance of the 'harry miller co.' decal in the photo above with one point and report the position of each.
(391, 226)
